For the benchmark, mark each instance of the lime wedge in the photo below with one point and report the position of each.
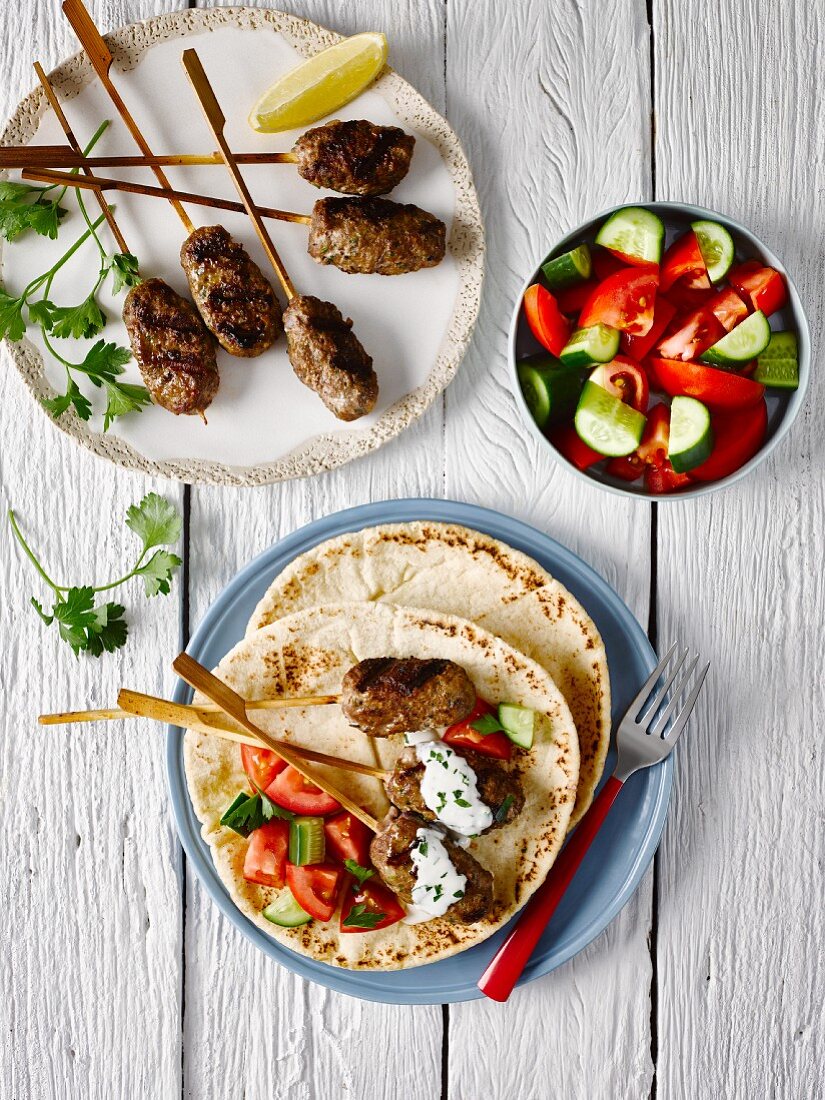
(321, 84)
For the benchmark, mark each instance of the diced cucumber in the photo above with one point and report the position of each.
(597, 344)
(285, 911)
(568, 269)
(550, 389)
(518, 723)
(691, 436)
(634, 232)
(606, 424)
(716, 246)
(741, 344)
(778, 365)
(306, 840)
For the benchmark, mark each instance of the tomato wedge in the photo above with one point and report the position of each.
(265, 859)
(567, 442)
(463, 736)
(683, 260)
(624, 300)
(606, 263)
(547, 322)
(315, 887)
(728, 308)
(686, 299)
(625, 379)
(637, 347)
(290, 790)
(718, 389)
(261, 765)
(762, 287)
(664, 479)
(699, 331)
(652, 451)
(348, 838)
(376, 900)
(738, 437)
(572, 299)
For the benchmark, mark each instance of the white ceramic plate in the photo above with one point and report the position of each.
(264, 425)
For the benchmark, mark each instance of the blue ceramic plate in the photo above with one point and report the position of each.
(612, 868)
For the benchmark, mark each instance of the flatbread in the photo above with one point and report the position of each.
(464, 572)
(308, 653)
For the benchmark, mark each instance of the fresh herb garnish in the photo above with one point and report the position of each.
(458, 894)
(98, 628)
(501, 812)
(358, 917)
(462, 802)
(249, 812)
(487, 723)
(361, 873)
(18, 212)
(423, 848)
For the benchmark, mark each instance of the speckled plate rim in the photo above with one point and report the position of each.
(466, 245)
(604, 883)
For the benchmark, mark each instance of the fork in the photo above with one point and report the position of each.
(642, 740)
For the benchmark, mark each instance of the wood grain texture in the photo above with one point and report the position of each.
(742, 1011)
(89, 986)
(538, 94)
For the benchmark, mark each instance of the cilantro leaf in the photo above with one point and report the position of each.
(249, 812)
(122, 398)
(487, 723)
(75, 615)
(358, 917)
(109, 631)
(12, 325)
(361, 873)
(154, 521)
(158, 571)
(81, 322)
(124, 268)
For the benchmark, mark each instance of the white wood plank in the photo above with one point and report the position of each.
(741, 1011)
(299, 1041)
(552, 104)
(90, 897)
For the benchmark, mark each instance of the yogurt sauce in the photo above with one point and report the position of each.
(450, 790)
(438, 885)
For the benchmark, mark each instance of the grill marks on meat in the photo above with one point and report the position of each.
(386, 695)
(390, 855)
(495, 784)
(236, 302)
(328, 357)
(174, 351)
(354, 157)
(375, 236)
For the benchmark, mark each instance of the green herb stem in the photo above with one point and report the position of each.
(49, 275)
(56, 588)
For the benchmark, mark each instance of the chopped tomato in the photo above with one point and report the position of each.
(567, 442)
(637, 347)
(377, 901)
(261, 765)
(290, 790)
(683, 260)
(664, 479)
(463, 736)
(761, 287)
(728, 308)
(572, 299)
(547, 323)
(718, 389)
(686, 298)
(625, 379)
(265, 859)
(652, 450)
(348, 838)
(699, 332)
(606, 263)
(738, 436)
(315, 887)
(628, 468)
(624, 300)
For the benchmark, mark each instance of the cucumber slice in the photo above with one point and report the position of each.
(550, 389)
(306, 840)
(716, 246)
(285, 911)
(745, 342)
(634, 232)
(568, 269)
(778, 365)
(606, 424)
(518, 723)
(597, 344)
(691, 436)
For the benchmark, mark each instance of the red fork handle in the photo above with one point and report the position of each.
(500, 977)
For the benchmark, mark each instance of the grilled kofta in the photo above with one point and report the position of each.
(391, 853)
(236, 302)
(375, 236)
(354, 157)
(175, 353)
(497, 787)
(327, 356)
(386, 695)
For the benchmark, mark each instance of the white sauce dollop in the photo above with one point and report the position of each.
(437, 883)
(449, 788)
(419, 737)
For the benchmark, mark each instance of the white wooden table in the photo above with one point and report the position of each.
(118, 976)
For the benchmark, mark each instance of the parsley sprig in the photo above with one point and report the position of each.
(361, 917)
(357, 871)
(96, 628)
(249, 812)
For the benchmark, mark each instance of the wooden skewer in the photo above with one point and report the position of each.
(78, 150)
(232, 704)
(216, 121)
(69, 717)
(103, 183)
(99, 55)
(58, 156)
